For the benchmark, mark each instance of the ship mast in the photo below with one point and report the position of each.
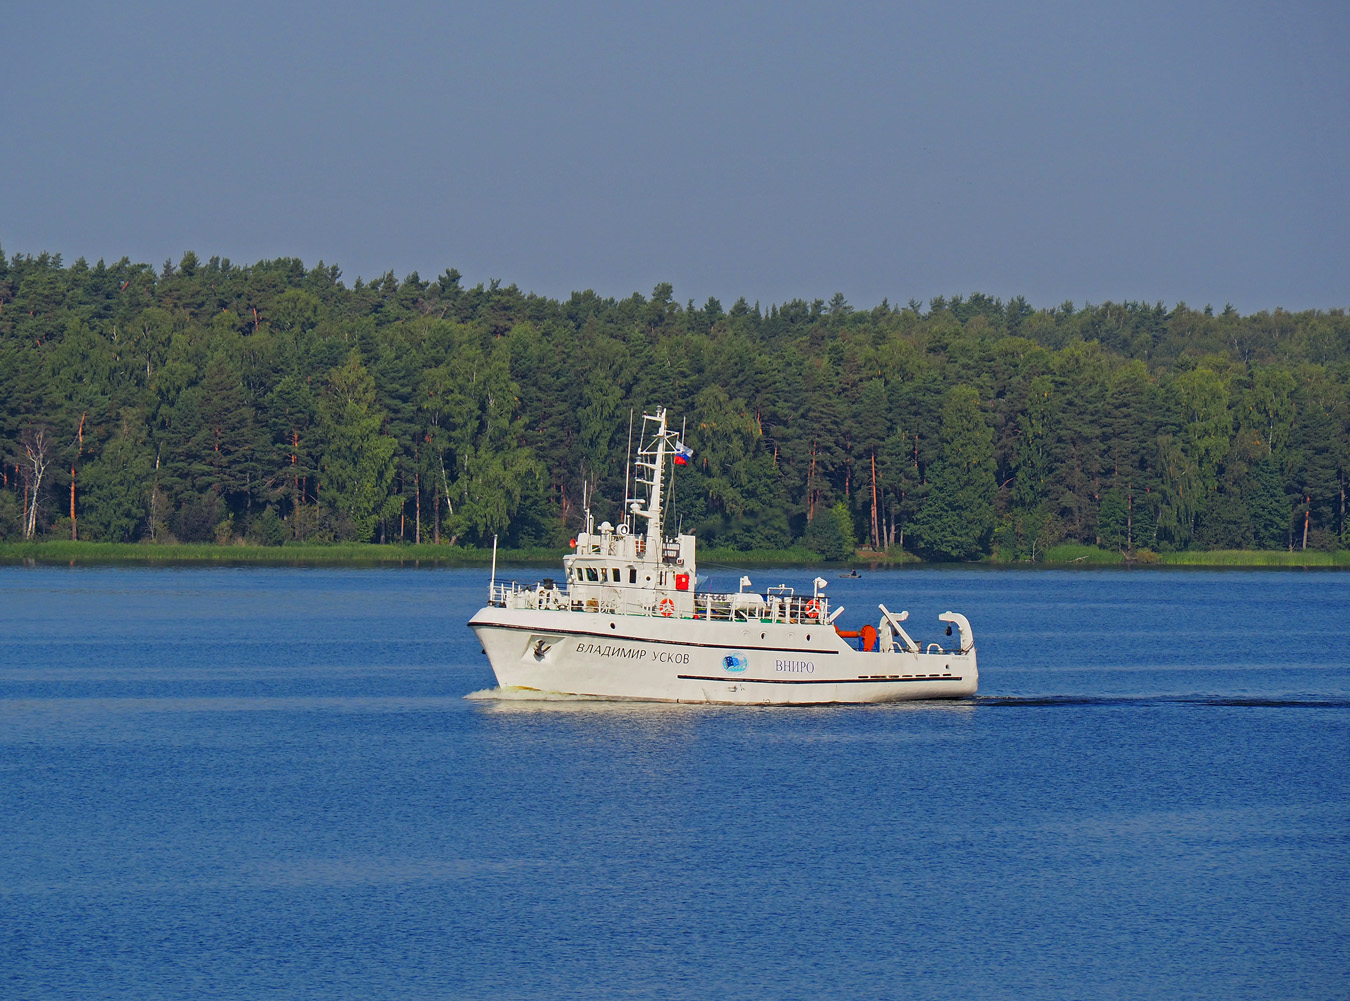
(652, 458)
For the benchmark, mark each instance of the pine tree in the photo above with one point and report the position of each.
(116, 485)
(957, 519)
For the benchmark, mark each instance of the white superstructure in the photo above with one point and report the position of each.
(626, 622)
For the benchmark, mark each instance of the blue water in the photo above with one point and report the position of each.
(241, 782)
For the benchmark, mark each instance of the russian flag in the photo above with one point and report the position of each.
(683, 453)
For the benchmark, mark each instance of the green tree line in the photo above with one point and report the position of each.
(208, 401)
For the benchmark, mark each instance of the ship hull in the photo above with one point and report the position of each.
(701, 661)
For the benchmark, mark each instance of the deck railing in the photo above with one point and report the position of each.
(710, 605)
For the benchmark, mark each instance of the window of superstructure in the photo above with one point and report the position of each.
(591, 574)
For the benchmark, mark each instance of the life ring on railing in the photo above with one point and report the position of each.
(666, 608)
(813, 609)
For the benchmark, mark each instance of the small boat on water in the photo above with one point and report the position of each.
(628, 622)
(849, 576)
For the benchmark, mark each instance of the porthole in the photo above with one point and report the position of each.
(612, 626)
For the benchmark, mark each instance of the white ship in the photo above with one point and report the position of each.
(628, 622)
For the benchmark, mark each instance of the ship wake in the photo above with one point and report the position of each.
(509, 693)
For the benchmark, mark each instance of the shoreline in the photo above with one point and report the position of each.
(372, 554)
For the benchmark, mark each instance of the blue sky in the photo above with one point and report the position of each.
(1089, 151)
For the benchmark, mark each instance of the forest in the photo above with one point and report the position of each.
(270, 403)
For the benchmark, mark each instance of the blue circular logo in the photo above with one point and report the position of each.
(734, 663)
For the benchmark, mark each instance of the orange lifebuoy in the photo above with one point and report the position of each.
(666, 608)
(813, 609)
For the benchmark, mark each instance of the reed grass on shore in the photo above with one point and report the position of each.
(1078, 555)
(1258, 558)
(1073, 554)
